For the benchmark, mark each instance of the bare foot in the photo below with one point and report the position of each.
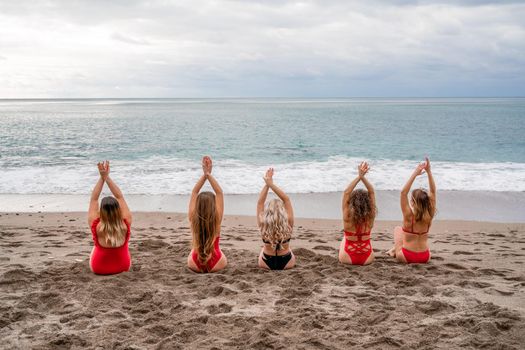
(392, 252)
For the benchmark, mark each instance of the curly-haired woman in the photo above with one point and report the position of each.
(359, 211)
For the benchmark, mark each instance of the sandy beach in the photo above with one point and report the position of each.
(493, 206)
(471, 295)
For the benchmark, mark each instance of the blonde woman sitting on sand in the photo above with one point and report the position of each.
(359, 211)
(275, 222)
(205, 216)
(110, 226)
(411, 240)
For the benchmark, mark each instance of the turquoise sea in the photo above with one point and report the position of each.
(155, 145)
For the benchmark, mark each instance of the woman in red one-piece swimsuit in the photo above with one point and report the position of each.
(205, 216)
(411, 239)
(110, 227)
(359, 211)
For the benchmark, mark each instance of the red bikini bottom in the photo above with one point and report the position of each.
(216, 255)
(358, 251)
(416, 257)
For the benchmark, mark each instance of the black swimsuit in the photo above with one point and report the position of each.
(277, 262)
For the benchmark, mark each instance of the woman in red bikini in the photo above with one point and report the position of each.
(205, 216)
(359, 211)
(411, 240)
(110, 227)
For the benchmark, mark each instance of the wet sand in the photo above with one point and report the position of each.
(471, 295)
(493, 206)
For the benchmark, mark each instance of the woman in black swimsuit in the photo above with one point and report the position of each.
(275, 222)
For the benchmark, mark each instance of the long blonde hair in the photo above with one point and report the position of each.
(422, 207)
(111, 222)
(274, 223)
(204, 226)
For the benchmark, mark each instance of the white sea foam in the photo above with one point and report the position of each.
(158, 175)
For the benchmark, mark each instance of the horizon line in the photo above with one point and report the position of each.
(250, 97)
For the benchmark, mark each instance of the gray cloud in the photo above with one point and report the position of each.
(129, 40)
(264, 48)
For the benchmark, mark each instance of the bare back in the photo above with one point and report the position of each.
(352, 227)
(416, 234)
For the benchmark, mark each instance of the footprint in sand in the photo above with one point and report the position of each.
(485, 243)
(491, 272)
(322, 247)
(503, 292)
(17, 275)
(74, 254)
(220, 290)
(462, 252)
(222, 308)
(376, 319)
(75, 316)
(515, 278)
(428, 291)
(152, 244)
(474, 284)
(46, 234)
(244, 286)
(495, 235)
(434, 307)
(454, 266)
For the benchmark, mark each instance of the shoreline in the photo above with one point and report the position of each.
(158, 217)
(483, 206)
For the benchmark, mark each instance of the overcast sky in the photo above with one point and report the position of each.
(126, 48)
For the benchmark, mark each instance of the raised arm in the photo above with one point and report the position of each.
(93, 202)
(405, 206)
(207, 167)
(260, 203)
(117, 193)
(194, 194)
(282, 196)
(431, 183)
(93, 212)
(363, 169)
(346, 196)
(219, 197)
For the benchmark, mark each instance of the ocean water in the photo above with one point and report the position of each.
(315, 145)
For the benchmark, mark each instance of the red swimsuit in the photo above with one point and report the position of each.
(359, 250)
(108, 261)
(416, 257)
(216, 255)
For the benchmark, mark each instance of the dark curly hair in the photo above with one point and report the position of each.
(361, 211)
